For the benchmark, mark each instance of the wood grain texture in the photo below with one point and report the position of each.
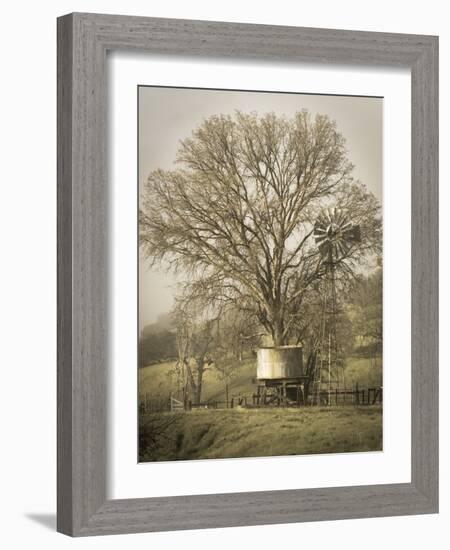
(83, 198)
(425, 272)
(64, 251)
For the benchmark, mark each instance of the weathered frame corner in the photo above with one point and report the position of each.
(83, 40)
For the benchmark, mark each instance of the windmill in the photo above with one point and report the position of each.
(335, 235)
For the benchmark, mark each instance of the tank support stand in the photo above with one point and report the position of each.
(281, 393)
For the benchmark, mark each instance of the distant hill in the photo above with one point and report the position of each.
(163, 323)
(157, 341)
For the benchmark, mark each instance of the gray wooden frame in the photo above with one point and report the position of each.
(83, 40)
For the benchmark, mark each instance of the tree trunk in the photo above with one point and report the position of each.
(276, 323)
(190, 381)
(278, 333)
(309, 372)
(198, 395)
(198, 389)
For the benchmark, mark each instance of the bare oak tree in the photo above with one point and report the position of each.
(238, 213)
(196, 339)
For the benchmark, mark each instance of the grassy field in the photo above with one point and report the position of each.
(232, 433)
(240, 432)
(157, 381)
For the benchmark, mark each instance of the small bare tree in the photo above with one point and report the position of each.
(196, 333)
(238, 333)
(238, 213)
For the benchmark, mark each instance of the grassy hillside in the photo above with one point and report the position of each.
(158, 382)
(240, 432)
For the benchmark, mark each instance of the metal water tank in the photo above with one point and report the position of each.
(277, 363)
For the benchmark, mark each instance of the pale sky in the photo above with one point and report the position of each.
(168, 115)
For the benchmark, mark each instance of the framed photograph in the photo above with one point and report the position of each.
(260, 272)
(247, 274)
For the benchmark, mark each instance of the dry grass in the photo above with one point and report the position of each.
(202, 434)
(158, 383)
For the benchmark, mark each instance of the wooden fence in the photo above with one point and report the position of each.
(355, 396)
(149, 404)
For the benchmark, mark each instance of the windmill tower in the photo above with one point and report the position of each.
(335, 235)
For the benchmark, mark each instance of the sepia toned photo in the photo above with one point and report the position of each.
(260, 274)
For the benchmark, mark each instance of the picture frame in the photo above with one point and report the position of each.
(83, 41)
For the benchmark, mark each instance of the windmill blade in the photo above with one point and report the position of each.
(339, 218)
(338, 250)
(320, 226)
(324, 248)
(345, 226)
(357, 233)
(347, 232)
(322, 222)
(319, 230)
(321, 239)
(335, 251)
(334, 233)
(345, 247)
(354, 234)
